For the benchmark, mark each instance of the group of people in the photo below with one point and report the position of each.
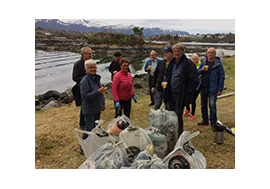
(176, 80)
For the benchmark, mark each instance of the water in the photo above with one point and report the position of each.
(53, 70)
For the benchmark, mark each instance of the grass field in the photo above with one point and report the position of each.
(56, 142)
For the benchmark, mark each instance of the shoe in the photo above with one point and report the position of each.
(151, 104)
(186, 112)
(203, 123)
(191, 117)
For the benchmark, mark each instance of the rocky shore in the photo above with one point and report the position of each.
(53, 98)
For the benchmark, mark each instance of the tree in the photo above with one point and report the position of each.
(138, 31)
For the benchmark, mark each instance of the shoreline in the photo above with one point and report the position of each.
(54, 98)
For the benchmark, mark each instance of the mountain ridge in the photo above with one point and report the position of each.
(86, 26)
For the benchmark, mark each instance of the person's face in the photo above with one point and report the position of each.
(87, 55)
(92, 69)
(153, 56)
(124, 67)
(117, 58)
(178, 53)
(211, 53)
(195, 60)
(168, 55)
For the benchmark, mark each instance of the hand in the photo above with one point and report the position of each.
(134, 98)
(219, 93)
(102, 90)
(205, 68)
(117, 104)
(153, 90)
(114, 72)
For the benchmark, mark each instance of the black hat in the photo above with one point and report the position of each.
(168, 49)
(117, 54)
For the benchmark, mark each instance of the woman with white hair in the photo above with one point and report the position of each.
(92, 98)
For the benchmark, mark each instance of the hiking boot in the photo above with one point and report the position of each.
(186, 112)
(191, 117)
(203, 123)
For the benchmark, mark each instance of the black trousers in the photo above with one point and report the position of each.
(173, 106)
(126, 105)
(193, 104)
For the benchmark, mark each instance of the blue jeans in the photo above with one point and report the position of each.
(212, 105)
(159, 96)
(90, 123)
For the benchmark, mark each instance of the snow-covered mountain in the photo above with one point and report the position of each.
(98, 26)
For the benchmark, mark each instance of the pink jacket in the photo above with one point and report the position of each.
(122, 86)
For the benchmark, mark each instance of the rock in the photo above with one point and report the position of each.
(51, 93)
(138, 85)
(67, 96)
(51, 104)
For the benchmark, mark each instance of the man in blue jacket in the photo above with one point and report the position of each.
(211, 85)
(150, 67)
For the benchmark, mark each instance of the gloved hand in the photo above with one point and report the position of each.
(134, 98)
(117, 104)
(153, 90)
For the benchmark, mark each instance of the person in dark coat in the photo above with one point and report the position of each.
(77, 75)
(159, 76)
(114, 66)
(182, 78)
(211, 85)
(92, 96)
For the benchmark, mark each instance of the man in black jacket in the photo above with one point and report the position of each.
(182, 78)
(159, 76)
(77, 75)
(114, 66)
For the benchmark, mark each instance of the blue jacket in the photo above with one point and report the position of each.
(149, 63)
(217, 76)
(93, 101)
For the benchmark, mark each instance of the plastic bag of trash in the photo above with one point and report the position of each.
(167, 123)
(96, 138)
(118, 124)
(109, 156)
(145, 161)
(159, 141)
(135, 140)
(184, 155)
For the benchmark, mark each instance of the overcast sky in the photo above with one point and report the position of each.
(192, 26)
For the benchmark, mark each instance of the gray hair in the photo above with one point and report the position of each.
(84, 49)
(179, 46)
(89, 63)
(153, 52)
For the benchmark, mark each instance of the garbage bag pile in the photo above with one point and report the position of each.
(125, 146)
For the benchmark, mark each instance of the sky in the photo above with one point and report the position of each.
(192, 26)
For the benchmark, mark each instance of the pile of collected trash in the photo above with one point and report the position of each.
(125, 146)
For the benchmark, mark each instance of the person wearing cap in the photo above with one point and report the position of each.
(182, 78)
(114, 66)
(159, 77)
(150, 67)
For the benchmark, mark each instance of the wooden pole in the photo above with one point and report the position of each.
(226, 95)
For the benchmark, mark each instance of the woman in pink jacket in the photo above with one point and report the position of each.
(122, 90)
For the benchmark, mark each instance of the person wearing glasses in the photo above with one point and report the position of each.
(77, 75)
(92, 96)
(122, 89)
